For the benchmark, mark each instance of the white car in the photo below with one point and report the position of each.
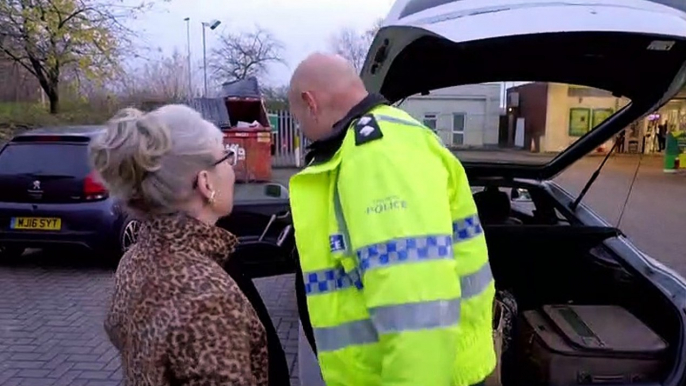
(592, 308)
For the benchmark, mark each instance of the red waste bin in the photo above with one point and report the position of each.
(253, 149)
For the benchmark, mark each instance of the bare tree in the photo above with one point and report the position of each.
(49, 37)
(376, 26)
(275, 97)
(354, 45)
(164, 79)
(17, 84)
(244, 54)
(351, 45)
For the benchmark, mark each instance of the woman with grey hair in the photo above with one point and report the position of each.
(176, 316)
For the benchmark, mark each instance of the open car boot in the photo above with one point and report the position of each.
(266, 247)
(580, 304)
(278, 366)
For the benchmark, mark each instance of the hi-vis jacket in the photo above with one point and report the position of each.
(394, 260)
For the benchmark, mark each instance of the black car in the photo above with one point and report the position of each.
(50, 198)
(562, 264)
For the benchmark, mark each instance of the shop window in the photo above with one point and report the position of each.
(430, 120)
(458, 128)
(579, 121)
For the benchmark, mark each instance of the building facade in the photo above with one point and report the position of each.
(556, 115)
(673, 114)
(463, 116)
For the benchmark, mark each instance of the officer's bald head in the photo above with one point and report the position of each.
(324, 72)
(323, 89)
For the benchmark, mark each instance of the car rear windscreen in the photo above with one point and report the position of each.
(416, 6)
(43, 172)
(676, 4)
(45, 159)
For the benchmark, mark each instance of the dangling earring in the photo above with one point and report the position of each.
(211, 199)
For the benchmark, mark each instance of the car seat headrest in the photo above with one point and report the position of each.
(493, 205)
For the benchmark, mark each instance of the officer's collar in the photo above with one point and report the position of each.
(326, 147)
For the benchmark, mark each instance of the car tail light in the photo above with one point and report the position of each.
(92, 189)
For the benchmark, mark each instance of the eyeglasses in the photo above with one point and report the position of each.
(229, 156)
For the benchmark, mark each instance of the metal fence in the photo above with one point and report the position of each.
(289, 143)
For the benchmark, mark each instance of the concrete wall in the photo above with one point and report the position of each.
(480, 103)
(557, 136)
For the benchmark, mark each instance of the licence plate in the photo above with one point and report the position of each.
(36, 223)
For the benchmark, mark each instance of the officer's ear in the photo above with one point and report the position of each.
(308, 100)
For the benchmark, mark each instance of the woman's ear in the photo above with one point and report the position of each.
(204, 185)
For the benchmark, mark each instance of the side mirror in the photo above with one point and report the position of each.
(275, 190)
(520, 194)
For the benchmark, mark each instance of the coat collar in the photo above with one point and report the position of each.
(182, 233)
(322, 150)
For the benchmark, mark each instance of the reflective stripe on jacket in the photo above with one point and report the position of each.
(394, 260)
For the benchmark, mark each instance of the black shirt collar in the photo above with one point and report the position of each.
(326, 147)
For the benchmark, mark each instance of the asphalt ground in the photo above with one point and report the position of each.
(52, 304)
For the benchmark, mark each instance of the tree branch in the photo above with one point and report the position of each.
(240, 55)
(46, 37)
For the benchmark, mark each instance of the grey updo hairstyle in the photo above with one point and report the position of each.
(149, 160)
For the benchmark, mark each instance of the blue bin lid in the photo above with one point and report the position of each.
(242, 88)
(213, 110)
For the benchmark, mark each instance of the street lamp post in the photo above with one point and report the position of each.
(213, 24)
(188, 44)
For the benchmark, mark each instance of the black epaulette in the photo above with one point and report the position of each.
(367, 129)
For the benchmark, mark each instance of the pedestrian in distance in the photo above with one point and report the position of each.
(176, 317)
(394, 286)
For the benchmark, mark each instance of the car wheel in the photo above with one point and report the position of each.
(129, 234)
(11, 252)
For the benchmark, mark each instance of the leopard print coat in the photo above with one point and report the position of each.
(176, 317)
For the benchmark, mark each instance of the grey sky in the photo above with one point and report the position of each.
(303, 26)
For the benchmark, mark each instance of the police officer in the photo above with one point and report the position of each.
(394, 265)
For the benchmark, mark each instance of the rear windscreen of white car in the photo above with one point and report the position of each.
(416, 6)
(677, 4)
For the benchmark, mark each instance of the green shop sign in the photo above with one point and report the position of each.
(579, 121)
(274, 122)
(599, 115)
(675, 151)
